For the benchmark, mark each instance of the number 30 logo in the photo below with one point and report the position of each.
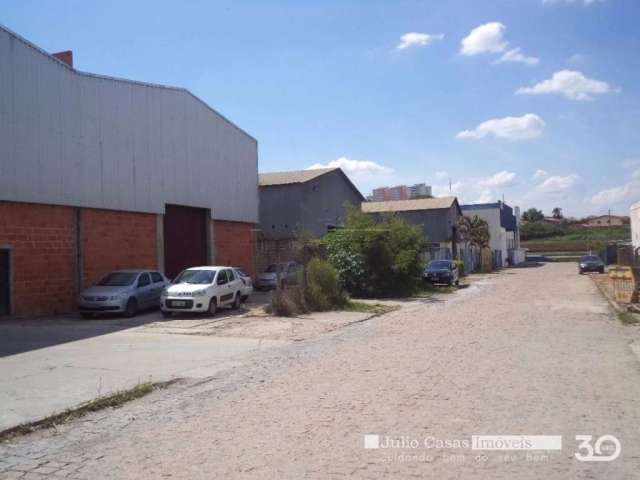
(598, 452)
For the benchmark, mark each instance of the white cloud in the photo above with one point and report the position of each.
(636, 174)
(516, 55)
(511, 128)
(354, 167)
(626, 194)
(539, 174)
(415, 39)
(558, 184)
(631, 163)
(442, 175)
(573, 85)
(457, 188)
(577, 58)
(487, 38)
(584, 2)
(500, 179)
(485, 196)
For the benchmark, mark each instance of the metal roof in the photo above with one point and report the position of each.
(409, 205)
(124, 80)
(293, 176)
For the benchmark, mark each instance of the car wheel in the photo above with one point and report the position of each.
(131, 308)
(580, 272)
(457, 283)
(236, 302)
(244, 298)
(86, 316)
(166, 314)
(213, 307)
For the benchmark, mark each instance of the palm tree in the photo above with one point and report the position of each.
(474, 231)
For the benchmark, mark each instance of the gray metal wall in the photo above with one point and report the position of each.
(436, 224)
(71, 138)
(311, 206)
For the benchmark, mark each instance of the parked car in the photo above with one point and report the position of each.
(442, 271)
(202, 289)
(123, 291)
(590, 263)
(247, 283)
(287, 271)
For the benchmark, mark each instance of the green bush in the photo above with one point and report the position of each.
(460, 265)
(376, 255)
(322, 286)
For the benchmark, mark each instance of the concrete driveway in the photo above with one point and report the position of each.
(50, 364)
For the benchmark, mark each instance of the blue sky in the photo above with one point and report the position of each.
(328, 81)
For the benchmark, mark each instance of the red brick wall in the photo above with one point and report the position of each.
(113, 240)
(234, 244)
(42, 239)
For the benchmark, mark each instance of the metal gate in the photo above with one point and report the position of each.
(185, 238)
(5, 287)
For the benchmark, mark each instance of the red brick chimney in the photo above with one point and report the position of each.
(66, 57)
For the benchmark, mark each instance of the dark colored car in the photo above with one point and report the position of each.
(590, 263)
(441, 271)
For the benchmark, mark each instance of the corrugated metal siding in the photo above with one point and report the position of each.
(311, 206)
(436, 224)
(76, 139)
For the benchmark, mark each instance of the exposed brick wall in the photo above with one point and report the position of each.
(234, 244)
(42, 241)
(113, 240)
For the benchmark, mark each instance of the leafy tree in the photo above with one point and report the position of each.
(376, 255)
(473, 230)
(556, 212)
(533, 215)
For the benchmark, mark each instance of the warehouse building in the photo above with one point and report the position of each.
(314, 201)
(100, 173)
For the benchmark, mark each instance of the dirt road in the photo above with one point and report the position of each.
(525, 352)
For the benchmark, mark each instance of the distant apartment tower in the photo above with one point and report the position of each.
(380, 194)
(419, 190)
(400, 192)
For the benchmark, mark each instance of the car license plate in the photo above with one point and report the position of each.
(178, 303)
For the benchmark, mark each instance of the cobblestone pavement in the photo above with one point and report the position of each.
(527, 351)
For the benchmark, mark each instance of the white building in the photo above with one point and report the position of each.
(419, 190)
(634, 215)
(504, 229)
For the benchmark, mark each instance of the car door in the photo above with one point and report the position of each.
(223, 287)
(157, 285)
(143, 291)
(235, 282)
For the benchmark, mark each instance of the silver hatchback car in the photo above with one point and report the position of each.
(123, 291)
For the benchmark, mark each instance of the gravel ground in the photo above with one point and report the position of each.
(526, 351)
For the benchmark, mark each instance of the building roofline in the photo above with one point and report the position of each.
(123, 80)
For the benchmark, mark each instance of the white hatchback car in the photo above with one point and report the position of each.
(202, 289)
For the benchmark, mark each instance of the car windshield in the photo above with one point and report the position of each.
(118, 279)
(440, 264)
(197, 277)
(590, 258)
(274, 268)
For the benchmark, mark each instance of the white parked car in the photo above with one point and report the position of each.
(202, 289)
(247, 283)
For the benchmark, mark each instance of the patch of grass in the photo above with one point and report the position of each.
(628, 318)
(374, 308)
(114, 400)
(426, 289)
